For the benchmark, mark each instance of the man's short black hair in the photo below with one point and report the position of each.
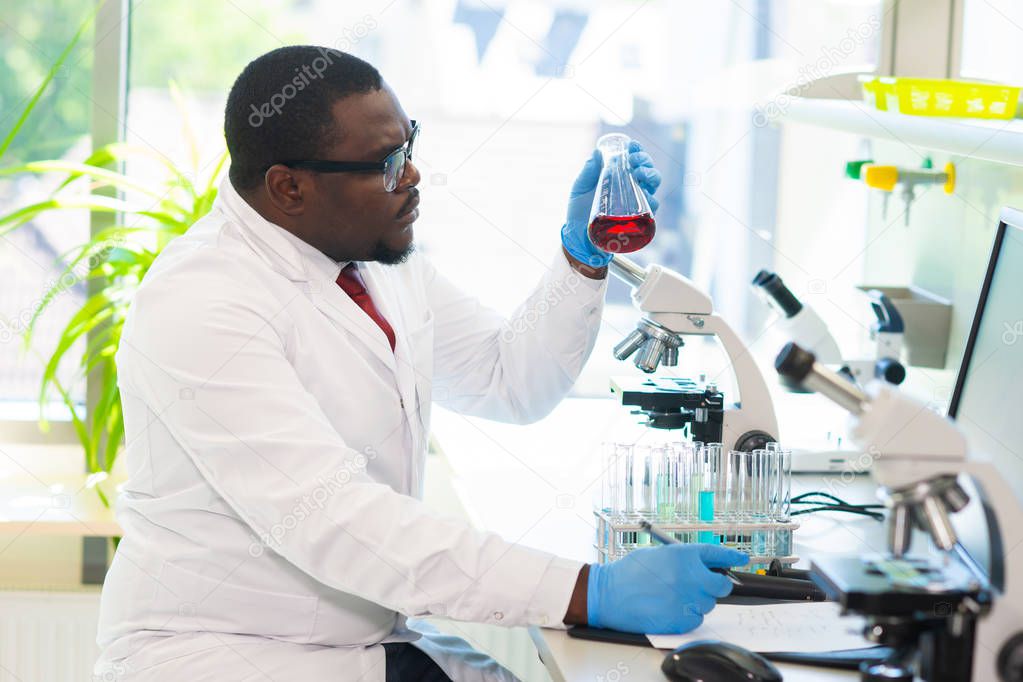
(279, 108)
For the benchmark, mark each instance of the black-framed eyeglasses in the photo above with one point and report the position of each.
(393, 165)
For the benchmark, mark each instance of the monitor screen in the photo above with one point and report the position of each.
(987, 403)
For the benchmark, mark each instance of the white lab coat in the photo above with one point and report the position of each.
(275, 449)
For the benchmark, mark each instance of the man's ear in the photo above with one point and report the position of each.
(286, 189)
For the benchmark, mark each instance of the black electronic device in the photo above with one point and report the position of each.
(709, 660)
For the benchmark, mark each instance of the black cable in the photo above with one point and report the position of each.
(833, 503)
(838, 500)
(877, 516)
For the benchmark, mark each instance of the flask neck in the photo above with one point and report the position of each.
(613, 145)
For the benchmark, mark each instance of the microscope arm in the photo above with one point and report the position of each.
(678, 307)
(754, 396)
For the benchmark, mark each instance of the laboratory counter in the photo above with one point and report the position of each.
(536, 486)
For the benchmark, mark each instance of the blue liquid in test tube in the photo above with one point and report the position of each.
(706, 510)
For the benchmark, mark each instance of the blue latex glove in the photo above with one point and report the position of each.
(659, 590)
(580, 201)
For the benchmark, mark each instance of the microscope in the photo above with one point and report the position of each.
(673, 307)
(801, 324)
(945, 617)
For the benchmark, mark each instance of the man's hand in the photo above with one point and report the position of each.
(656, 590)
(574, 234)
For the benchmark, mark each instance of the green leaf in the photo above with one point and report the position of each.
(54, 68)
(102, 345)
(115, 152)
(115, 433)
(78, 170)
(93, 247)
(93, 312)
(101, 410)
(94, 203)
(211, 184)
(80, 428)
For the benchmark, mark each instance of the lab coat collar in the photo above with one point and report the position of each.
(303, 263)
(283, 251)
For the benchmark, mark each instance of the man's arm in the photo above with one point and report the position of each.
(576, 614)
(513, 369)
(206, 355)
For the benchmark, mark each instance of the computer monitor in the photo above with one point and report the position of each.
(987, 403)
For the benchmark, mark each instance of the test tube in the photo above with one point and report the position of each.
(761, 479)
(783, 501)
(706, 505)
(605, 499)
(783, 469)
(679, 450)
(690, 483)
(626, 496)
(718, 458)
(608, 478)
(644, 475)
(667, 481)
(735, 495)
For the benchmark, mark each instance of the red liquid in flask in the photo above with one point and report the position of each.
(622, 234)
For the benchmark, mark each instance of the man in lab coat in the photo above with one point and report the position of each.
(277, 370)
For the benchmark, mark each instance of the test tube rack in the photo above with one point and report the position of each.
(764, 541)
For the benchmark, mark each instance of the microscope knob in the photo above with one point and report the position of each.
(753, 440)
(794, 363)
(1010, 659)
(891, 370)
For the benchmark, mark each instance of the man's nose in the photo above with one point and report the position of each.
(410, 178)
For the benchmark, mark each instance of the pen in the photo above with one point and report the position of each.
(665, 539)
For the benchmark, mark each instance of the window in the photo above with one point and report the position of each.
(32, 36)
(992, 30)
(512, 96)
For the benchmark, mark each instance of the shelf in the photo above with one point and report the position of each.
(998, 141)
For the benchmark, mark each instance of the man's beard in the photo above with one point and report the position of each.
(389, 256)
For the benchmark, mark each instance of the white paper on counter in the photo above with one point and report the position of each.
(793, 627)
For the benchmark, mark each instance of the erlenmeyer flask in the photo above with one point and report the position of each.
(621, 220)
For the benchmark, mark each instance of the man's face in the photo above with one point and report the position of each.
(351, 216)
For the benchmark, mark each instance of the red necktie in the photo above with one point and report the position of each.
(351, 281)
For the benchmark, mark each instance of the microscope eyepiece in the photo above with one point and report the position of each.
(774, 291)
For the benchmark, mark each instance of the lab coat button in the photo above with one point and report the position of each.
(498, 615)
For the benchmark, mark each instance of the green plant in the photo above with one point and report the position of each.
(119, 257)
(114, 260)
